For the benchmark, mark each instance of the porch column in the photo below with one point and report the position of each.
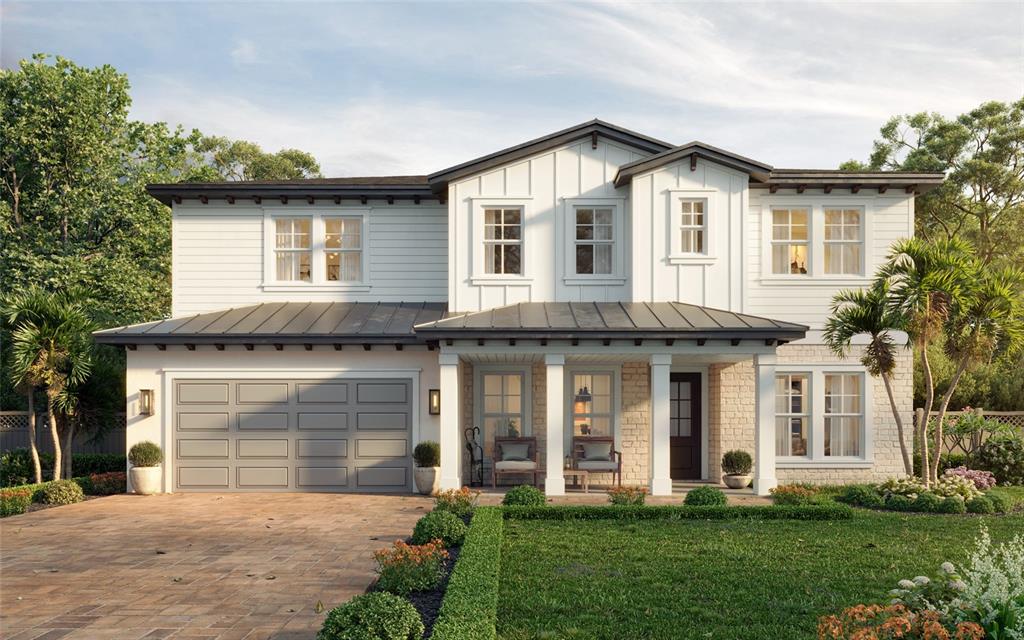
(451, 411)
(764, 424)
(661, 475)
(554, 480)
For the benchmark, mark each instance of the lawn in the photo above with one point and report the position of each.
(715, 580)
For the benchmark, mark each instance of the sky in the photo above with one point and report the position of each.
(412, 88)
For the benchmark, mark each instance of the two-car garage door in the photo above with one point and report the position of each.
(292, 435)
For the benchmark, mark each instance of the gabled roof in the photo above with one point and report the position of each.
(440, 179)
(286, 323)
(394, 187)
(609, 320)
(698, 149)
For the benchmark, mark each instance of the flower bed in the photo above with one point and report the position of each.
(32, 497)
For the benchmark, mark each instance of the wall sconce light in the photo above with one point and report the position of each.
(434, 403)
(145, 402)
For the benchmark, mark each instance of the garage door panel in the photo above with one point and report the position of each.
(373, 448)
(203, 477)
(202, 448)
(322, 392)
(250, 448)
(262, 393)
(204, 421)
(202, 393)
(377, 420)
(381, 477)
(382, 393)
(262, 421)
(267, 477)
(322, 476)
(322, 421)
(324, 448)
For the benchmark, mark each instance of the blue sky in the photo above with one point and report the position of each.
(393, 88)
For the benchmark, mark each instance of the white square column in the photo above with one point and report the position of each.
(554, 480)
(660, 458)
(451, 412)
(764, 424)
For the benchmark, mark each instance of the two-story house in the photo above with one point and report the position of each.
(594, 281)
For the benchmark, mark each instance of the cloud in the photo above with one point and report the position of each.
(244, 52)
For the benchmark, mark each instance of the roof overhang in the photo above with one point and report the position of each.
(290, 190)
(693, 150)
(800, 179)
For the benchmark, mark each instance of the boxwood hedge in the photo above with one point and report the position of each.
(676, 512)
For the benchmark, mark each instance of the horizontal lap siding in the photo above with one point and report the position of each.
(218, 256)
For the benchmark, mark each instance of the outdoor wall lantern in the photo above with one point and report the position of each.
(434, 402)
(145, 402)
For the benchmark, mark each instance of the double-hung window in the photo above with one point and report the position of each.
(292, 250)
(844, 241)
(792, 414)
(691, 226)
(503, 241)
(789, 240)
(592, 412)
(343, 249)
(594, 240)
(844, 415)
(503, 404)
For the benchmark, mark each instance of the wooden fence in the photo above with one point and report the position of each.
(14, 435)
(963, 444)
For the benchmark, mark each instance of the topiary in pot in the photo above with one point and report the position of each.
(736, 466)
(439, 525)
(524, 496)
(705, 497)
(62, 492)
(378, 615)
(145, 472)
(427, 456)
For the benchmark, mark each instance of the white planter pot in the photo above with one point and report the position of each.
(736, 482)
(145, 480)
(428, 480)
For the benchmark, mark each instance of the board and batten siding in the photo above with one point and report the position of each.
(547, 186)
(218, 253)
(887, 218)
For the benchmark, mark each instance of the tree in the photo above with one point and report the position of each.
(242, 160)
(51, 349)
(868, 312)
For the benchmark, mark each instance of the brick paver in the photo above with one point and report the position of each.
(228, 566)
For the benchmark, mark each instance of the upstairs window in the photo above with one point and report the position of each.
(789, 241)
(343, 249)
(503, 241)
(844, 241)
(595, 241)
(792, 414)
(292, 253)
(691, 226)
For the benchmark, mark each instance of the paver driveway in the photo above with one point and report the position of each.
(192, 565)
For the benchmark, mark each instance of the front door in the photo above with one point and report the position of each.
(684, 426)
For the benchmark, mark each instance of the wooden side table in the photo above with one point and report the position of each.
(579, 476)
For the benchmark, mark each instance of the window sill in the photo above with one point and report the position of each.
(807, 463)
(500, 279)
(593, 280)
(691, 259)
(807, 280)
(357, 287)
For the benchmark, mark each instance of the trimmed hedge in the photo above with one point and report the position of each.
(16, 465)
(675, 512)
(13, 503)
(469, 610)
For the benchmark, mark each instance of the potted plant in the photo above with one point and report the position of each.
(145, 472)
(427, 457)
(736, 466)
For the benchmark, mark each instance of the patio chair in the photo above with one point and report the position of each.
(597, 454)
(515, 456)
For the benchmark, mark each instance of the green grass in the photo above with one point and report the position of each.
(1014, 494)
(714, 579)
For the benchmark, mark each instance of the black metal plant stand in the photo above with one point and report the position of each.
(476, 457)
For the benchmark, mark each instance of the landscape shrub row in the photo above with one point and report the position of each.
(681, 512)
(469, 610)
(16, 465)
(16, 500)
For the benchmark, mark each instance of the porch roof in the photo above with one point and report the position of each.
(609, 320)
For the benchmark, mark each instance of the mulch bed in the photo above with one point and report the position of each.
(39, 506)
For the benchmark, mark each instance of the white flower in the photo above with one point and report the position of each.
(906, 584)
(948, 567)
(957, 585)
(921, 580)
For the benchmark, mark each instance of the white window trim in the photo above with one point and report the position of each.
(817, 203)
(808, 413)
(816, 443)
(479, 273)
(676, 254)
(839, 243)
(318, 261)
(619, 240)
(527, 399)
(616, 372)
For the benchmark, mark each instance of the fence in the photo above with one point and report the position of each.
(953, 443)
(14, 435)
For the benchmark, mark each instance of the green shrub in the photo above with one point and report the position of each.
(145, 454)
(427, 454)
(62, 492)
(899, 502)
(439, 525)
(831, 511)
(955, 485)
(14, 501)
(705, 497)
(946, 461)
(736, 463)
(1004, 457)
(16, 465)
(862, 495)
(461, 502)
(1000, 503)
(106, 484)
(627, 495)
(87, 464)
(793, 494)
(524, 495)
(927, 503)
(373, 616)
(469, 610)
(980, 504)
(952, 504)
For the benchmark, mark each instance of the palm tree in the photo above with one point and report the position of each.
(926, 281)
(51, 349)
(867, 312)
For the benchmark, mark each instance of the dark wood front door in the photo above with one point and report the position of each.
(684, 426)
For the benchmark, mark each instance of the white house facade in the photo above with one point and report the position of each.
(592, 285)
